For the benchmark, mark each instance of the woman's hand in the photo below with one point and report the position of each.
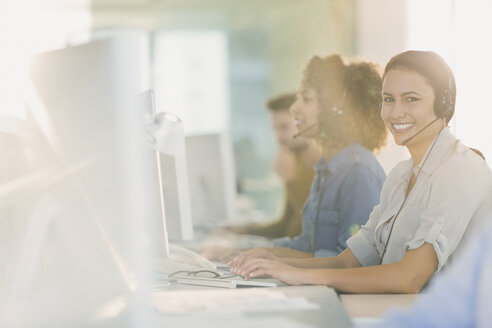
(238, 262)
(268, 268)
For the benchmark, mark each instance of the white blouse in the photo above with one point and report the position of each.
(452, 195)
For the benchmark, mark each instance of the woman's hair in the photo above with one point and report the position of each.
(355, 90)
(435, 70)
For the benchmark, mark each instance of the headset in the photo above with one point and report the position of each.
(322, 185)
(443, 107)
(406, 198)
(335, 111)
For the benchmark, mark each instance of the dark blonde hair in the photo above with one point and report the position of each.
(353, 88)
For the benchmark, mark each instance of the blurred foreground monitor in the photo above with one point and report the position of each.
(83, 236)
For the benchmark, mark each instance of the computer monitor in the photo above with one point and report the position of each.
(157, 235)
(176, 196)
(88, 208)
(212, 179)
(165, 132)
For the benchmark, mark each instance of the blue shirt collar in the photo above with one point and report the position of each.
(349, 153)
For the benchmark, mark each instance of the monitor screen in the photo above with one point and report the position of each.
(171, 145)
(212, 179)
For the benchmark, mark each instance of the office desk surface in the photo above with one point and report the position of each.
(375, 305)
(329, 314)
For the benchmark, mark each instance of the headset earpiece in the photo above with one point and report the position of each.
(335, 110)
(445, 106)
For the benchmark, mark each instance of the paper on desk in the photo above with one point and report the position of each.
(236, 320)
(220, 300)
(367, 322)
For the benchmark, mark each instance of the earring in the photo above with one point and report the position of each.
(337, 111)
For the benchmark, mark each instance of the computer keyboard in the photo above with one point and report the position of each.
(224, 271)
(223, 283)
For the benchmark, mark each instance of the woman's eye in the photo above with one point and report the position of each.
(388, 99)
(412, 99)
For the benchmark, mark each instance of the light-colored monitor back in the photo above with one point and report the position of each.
(87, 204)
(212, 179)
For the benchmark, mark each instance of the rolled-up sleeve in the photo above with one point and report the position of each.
(453, 201)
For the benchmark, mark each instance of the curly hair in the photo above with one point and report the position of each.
(355, 90)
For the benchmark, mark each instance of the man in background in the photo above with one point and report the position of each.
(294, 163)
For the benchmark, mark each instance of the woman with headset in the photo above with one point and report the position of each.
(337, 104)
(429, 204)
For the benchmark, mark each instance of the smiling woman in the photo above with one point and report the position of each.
(416, 98)
(428, 207)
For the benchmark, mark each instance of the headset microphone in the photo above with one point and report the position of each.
(335, 112)
(443, 106)
(404, 142)
(305, 130)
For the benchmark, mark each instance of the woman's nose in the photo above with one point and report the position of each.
(397, 110)
(293, 108)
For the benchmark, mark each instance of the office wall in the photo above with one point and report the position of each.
(382, 32)
(268, 45)
(382, 28)
(455, 29)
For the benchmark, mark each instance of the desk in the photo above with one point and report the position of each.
(329, 314)
(374, 305)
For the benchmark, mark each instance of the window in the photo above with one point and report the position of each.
(28, 27)
(190, 78)
(458, 31)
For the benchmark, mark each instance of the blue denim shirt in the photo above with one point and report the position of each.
(344, 192)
